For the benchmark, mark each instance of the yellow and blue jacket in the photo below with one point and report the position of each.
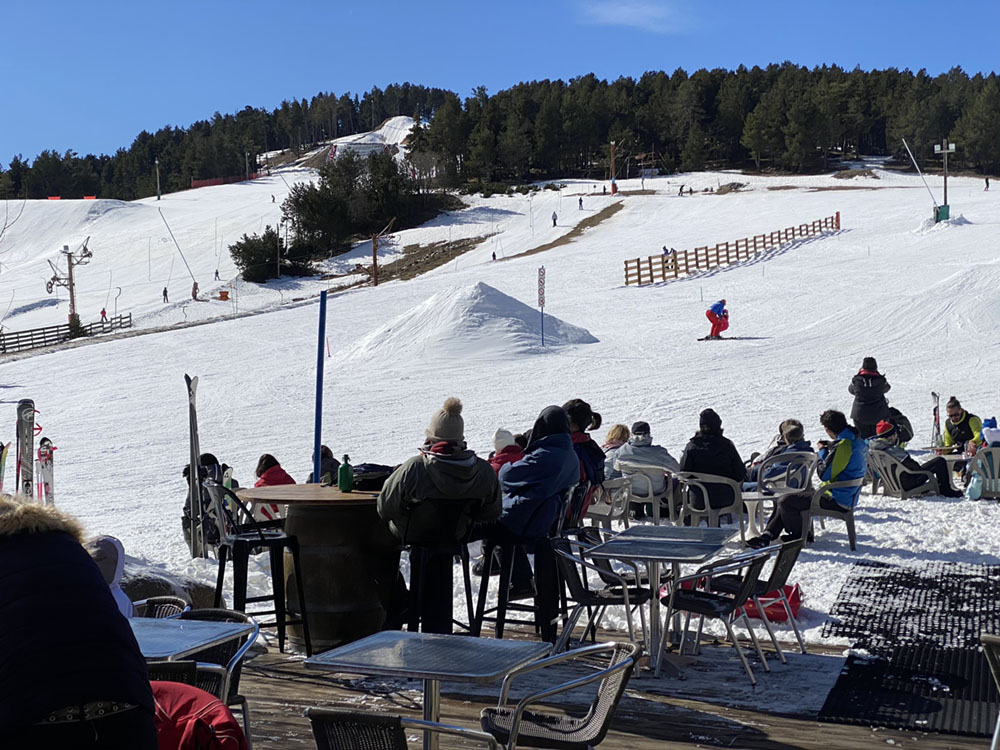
(846, 459)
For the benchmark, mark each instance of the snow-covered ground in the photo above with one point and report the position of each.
(920, 298)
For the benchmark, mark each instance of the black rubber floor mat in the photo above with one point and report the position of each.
(938, 604)
(916, 687)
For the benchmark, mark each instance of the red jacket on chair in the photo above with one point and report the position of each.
(188, 718)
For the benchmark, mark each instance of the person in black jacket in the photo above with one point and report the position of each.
(869, 388)
(708, 452)
(71, 673)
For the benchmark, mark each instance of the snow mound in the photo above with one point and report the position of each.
(929, 225)
(474, 321)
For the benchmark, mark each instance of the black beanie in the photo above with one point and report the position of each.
(709, 421)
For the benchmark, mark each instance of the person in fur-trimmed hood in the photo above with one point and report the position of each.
(445, 469)
(71, 673)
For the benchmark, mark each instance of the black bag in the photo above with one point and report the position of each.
(370, 477)
(902, 424)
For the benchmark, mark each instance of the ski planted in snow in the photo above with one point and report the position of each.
(45, 470)
(3, 462)
(25, 446)
(936, 439)
(198, 548)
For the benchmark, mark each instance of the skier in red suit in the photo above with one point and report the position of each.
(719, 317)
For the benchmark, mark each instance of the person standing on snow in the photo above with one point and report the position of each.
(165, 299)
(719, 317)
(869, 387)
(580, 202)
(104, 315)
(554, 218)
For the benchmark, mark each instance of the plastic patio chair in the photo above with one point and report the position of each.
(160, 607)
(610, 503)
(800, 468)
(519, 726)
(815, 510)
(691, 481)
(640, 476)
(784, 562)
(220, 667)
(725, 607)
(986, 463)
(336, 729)
(888, 472)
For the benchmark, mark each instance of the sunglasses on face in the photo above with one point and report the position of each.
(954, 414)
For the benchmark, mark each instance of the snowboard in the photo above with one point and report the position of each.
(3, 462)
(25, 447)
(936, 439)
(44, 470)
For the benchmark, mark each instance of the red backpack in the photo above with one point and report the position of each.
(188, 718)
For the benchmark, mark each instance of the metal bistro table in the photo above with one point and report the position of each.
(349, 557)
(662, 544)
(431, 658)
(171, 639)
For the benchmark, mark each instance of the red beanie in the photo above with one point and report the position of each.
(884, 428)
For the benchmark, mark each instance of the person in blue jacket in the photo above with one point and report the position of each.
(718, 315)
(843, 457)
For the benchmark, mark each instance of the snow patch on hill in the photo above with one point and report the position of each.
(475, 321)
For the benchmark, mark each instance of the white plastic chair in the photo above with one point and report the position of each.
(888, 471)
(690, 481)
(610, 503)
(640, 476)
(815, 510)
(986, 464)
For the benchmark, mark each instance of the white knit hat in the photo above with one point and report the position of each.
(447, 423)
(501, 439)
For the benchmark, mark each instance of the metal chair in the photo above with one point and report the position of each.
(991, 647)
(695, 504)
(816, 510)
(220, 667)
(518, 726)
(725, 607)
(986, 463)
(888, 472)
(730, 584)
(160, 607)
(240, 535)
(620, 593)
(336, 729)
(173, 671)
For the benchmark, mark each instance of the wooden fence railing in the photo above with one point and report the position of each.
(15, 341)
(641, 271)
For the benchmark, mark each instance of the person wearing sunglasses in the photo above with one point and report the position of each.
(960, 428)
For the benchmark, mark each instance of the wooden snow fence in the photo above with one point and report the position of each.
(15, 341)
(664, 267)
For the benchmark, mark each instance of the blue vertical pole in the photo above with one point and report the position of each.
(541, 310)
(320, 359)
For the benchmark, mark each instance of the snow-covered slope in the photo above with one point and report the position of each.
(920, 300)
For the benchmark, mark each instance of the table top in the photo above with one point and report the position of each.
(656, 550)
(305, 494)
(688, 534)
(395, 653)
(169, 639)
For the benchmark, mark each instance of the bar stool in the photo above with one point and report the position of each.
(239, 536)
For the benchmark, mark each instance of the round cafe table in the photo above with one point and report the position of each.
(350, 560)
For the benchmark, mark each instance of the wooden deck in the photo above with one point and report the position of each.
(279, 689)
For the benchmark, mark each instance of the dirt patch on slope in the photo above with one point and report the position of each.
(590, 221)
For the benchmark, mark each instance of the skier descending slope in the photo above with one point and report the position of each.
(719, 317)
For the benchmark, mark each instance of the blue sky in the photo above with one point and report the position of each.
(90, 76)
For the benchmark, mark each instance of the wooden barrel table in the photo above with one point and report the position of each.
(349, 559)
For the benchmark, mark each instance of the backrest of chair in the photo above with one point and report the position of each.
(991, 647)
(159, 607)
(570, 504)
(438, 521)
(986, 464)
(229, 654)
(754, 564)
(697, 485)
(173, 671)
(784, 563)
(610, 691)
(355, 730)
(641, 478)
(230, 514)
(818, 510)
(571, 567)
(798, 472)
(887, 469)
(610, 499)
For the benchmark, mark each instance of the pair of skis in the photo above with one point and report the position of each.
(936, 439)
(30, 483)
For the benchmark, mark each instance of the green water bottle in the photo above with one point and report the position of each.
(345, 475)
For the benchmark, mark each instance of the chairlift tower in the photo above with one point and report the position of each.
(72, 260)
